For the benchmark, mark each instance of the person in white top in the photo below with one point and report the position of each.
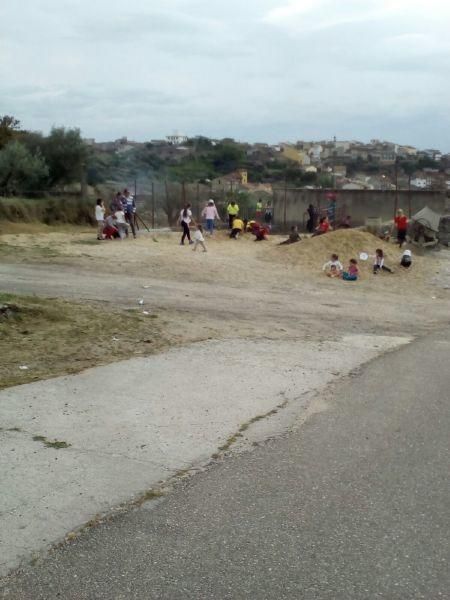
(210, 214)
(100, 218)
(199, 240)
(378, 264)
(121, 223)
(333, 267)
(185, 220)
(406, 260)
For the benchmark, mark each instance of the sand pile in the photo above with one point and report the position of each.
(311, 253)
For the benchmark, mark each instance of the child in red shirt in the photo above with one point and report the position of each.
(324, 227)
(401, 222)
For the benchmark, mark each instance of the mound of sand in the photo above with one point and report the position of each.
(311, 253)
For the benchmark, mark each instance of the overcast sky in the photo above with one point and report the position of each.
(257, 70)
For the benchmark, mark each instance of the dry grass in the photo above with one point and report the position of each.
(55, 337)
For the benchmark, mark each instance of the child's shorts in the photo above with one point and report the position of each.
(347, 277)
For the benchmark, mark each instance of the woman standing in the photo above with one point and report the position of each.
(185, 220)
(100, 218)
(210, 214)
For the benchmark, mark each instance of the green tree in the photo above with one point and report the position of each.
(66, 155)
(9, 127)
(20, 170)
(227, 157)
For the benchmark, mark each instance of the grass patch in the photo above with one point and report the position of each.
(55, 337)
(234, 438)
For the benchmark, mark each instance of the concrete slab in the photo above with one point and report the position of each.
(133, 424)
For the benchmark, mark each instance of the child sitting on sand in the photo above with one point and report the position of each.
(378, 264)
(406, 260)
(333, 267)
(352, 272)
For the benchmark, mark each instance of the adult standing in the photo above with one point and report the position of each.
(232, 211)
(258, 211)
(331, 209)
(210, 214)
(312, 218)
(130, 210)
(185, 220)
(268, 214)
(100, 218)
(401, 223)
(116, 203)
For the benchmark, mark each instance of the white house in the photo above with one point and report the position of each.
(177, 139)
(420, 183)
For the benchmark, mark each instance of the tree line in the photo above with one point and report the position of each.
(31, 162)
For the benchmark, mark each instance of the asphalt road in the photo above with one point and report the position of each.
(354, 504)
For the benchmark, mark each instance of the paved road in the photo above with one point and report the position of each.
(352, 505)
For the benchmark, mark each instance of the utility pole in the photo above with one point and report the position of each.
(396, 187)
(153, 205)
(409, 195)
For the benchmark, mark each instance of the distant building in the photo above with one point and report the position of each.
(292, 153)
(231, 180)
(177, 139)
(419, 182)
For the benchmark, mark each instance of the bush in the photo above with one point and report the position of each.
(50, 211)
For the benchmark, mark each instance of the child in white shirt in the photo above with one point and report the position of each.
(199, 240)
(333, 267)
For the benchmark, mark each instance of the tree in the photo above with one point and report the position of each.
(227, 157)
(66, 155)
(20, 170)
(8, 128)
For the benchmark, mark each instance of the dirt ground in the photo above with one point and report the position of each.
(237, 289)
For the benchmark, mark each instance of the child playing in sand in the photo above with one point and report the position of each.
(333, 267)
(352, 272)
(406, 260)
(199, 240)
(378, 264)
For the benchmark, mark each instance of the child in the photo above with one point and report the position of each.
(293, 236)
(401, 222)
(199, 239)
(379, 265)
(406, 260)
(333, 267)
(260, 234)
(100, 218)
(110, 230)
(352, 271)
(237, 228)
(323, 227)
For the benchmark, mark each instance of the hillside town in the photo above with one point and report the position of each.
(347, 165)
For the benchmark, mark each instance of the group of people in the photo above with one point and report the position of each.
(120, 218)
(334, 268)
(237, 226)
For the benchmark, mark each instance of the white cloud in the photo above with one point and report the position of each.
(263, 69)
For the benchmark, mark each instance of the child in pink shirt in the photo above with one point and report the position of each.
(352, 272)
